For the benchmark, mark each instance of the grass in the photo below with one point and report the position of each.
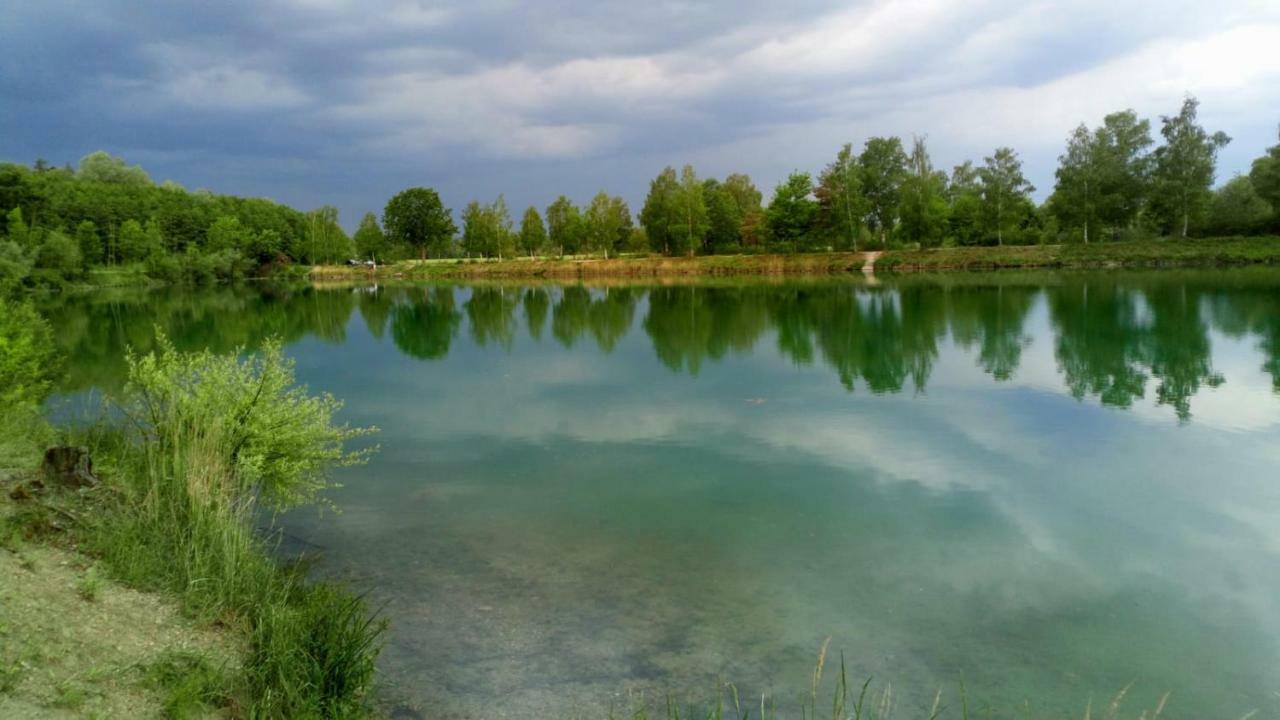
(190, 684)
(1147, 253)
(623, 267)
(863, 702)
(89, 584)
(1134, 254)
(201, 447)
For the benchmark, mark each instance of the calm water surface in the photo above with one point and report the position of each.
(1047, 485)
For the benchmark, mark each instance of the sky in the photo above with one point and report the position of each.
(346, 102)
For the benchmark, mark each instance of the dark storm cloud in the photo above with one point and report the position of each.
(330, 101)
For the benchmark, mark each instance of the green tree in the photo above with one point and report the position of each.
(26, 357)
(327, 242)
(533, 234)
(416, 218)
(90, 242)
(486, 229)
(882, 167)
(659, 214)
(1265, 175)
(1124, 168)
(607, 223)
(226, 233)
(923, 209)
(792, 211)
(841, 205)
(1237, 209)
(134, 243)
(155, 240)
(565, 228)
(100, 167)
(964, 195)
(1184, 169)
(747, 198)
(18, 232)
(1005, 191)
(59, 255)
(689, 211)
(1076, 199)
(724, 219)
(369, 239)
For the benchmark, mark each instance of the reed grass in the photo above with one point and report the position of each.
(865, 702)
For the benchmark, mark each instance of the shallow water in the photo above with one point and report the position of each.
(1047, 485)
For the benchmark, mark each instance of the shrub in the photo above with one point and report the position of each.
(26, 353)
(209, 440)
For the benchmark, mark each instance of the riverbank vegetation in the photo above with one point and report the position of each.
(106, 221)
(197, 449)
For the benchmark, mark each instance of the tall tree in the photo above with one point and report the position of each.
(1005, 190)
(90, 242)
(659, 214)
(882, 167)
(1265, 175)
(533, 234)
(923, 211)
(417, 219)
(369, 239)
(327, 242)
(792, 211)
(1076, 198)
(486, 229)
(607, 223)
(747, 198)
(1185, 168)
(565, 228)
(1124, 167)
(690, 213)
(841, 205)
(724, 221)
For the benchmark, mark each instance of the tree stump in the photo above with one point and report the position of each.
(69, 467)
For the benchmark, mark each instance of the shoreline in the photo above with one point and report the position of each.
(1224, 252)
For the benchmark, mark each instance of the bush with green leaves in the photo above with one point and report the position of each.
(26, 354)
(207, 442)
(261, 434)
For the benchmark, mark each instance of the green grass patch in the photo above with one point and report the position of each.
(1144, 253)
(1132, 254)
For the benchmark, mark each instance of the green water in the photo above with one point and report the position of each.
(1050, 486)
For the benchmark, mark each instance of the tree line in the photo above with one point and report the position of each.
(1112, 183)
(56, 223)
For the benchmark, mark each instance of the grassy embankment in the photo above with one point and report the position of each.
(1211, 252)
(203, 445)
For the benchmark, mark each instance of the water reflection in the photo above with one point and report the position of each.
(1047, 484)
(1114, 338)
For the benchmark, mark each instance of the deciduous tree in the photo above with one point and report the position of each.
(1005, 190)
(416, 218)
(1184, 169)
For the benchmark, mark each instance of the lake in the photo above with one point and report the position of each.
(1047, 486)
